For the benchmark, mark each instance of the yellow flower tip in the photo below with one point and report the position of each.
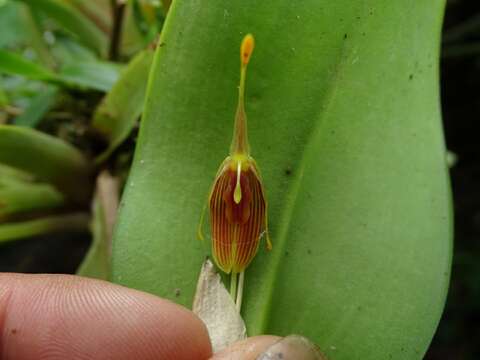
(246, 49)
(269, 242)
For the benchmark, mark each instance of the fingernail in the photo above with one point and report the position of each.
(293, 347)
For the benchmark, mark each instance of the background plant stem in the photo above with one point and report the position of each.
(118, 10)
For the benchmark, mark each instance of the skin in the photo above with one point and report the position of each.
(70, 317)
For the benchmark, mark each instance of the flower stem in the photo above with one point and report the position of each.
(118, 10)
(233, 285)
(241, 280)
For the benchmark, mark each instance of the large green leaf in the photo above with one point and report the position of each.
(343, 104)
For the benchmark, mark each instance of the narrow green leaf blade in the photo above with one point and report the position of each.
(48, 158)
(96, 263)
(47, 225)
(21, 197)
(39, 106)
(13, 175)
(73, 21)
(99, 75)
(122, 106)
(3, 97)
(14, 64)
(34, 36)
(344, 123)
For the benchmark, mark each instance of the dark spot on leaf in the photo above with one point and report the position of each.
(177, 292)
(286, 253)
(288, 171)
(345, 36)
(309, 251)
(14, 331)
(410, 77)
(162, 44)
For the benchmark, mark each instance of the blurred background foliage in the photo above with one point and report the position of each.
(73, 76)
(67, 69)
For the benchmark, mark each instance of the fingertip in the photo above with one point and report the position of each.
(60, 316)
(248, 349)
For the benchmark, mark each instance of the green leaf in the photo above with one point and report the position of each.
(21, 197)
(48, 158)
(39, 106)
(60, 223)
(99, 75)
(9, 175)
(11, 18)
(72, 20)
(100, 12)
(69, 50)
(14, 64)
(35, 37)
(3, 97)
(123, 105)
(96, 263)
(344, 120)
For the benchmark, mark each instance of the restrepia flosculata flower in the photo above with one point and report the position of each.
(238, 208)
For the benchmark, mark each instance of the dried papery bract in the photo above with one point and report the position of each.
(238, 208)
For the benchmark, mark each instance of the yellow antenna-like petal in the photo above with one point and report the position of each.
(240, 144)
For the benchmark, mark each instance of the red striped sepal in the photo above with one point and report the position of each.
(238, 214)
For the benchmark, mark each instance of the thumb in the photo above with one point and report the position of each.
(69, 317)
